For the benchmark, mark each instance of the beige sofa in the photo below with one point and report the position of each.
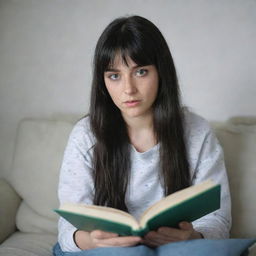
(28, 226)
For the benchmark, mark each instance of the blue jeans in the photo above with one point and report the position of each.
(200, 247)
(139, 250)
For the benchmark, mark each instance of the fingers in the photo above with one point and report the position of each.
(106, 239)
(186, 226)
(193, 234)
(157, 236)
(166, 235)
(154, 239)
(172, 234)
(184, 233)
(120, 241)
(150, 243)
(162, 236)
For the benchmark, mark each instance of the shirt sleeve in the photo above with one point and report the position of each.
(75, 182)
(210, 165)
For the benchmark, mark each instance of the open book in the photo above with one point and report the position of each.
(187, 204)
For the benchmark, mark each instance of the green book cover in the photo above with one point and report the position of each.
(186, 205)
(90, 223)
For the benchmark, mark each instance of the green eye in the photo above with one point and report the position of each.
(141, 72)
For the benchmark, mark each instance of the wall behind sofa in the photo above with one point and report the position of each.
(46, 54)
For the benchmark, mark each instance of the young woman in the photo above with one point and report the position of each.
(138, 144)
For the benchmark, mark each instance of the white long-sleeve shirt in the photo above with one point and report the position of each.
(206, 161)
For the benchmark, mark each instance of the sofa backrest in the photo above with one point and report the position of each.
(38, 155)
(39, 151)
(238, 139)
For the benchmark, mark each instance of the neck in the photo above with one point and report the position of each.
(137, 124)
(141, 132)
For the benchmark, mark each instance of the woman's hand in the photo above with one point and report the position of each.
(166, 235)
(98, 238)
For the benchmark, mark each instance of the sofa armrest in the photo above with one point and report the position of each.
(252, 251)
(9, 203)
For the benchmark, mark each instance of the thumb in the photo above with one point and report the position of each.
(184, 225)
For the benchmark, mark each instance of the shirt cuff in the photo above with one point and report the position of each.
(211, 233)
(67, 242)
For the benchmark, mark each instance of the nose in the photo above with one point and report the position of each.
(129, 85)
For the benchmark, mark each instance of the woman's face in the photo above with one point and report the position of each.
(132, 88)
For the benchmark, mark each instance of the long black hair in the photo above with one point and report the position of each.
(139, 39)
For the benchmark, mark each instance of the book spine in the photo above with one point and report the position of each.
(140, 232)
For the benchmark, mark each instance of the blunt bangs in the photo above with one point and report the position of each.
(128, 42)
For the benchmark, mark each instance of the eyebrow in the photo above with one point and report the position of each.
(117, 70)
(112, 70)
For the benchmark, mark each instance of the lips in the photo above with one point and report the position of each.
(132, 103)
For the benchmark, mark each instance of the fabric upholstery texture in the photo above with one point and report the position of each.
(239, 145)
(39, 150)
(28, 244)
(10, 200)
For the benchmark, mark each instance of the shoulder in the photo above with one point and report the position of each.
(82, 125)
(194, 124)
(201, 142)
(81, 134)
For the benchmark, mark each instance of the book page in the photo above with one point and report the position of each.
(175, 199)
(102, 212)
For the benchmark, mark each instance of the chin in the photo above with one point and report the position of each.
(133, 114)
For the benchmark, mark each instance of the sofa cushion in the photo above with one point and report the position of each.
(11, 201)
(239, 143)
(28, 244)
(39, 150)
